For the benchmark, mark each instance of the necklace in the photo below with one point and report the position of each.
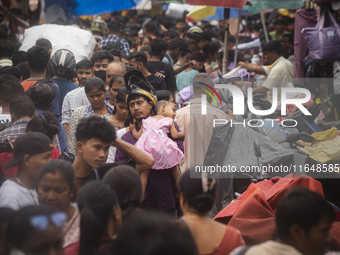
(22, 184)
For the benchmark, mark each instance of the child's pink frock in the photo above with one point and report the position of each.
(158, 145)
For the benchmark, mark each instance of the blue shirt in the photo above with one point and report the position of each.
(168, 59)
(185, 79)
(124, 45)
(65, 86)
(61, 135)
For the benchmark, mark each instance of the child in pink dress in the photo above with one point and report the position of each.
(153, 139)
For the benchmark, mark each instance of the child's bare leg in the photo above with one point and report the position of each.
(144, 178)
(176, 173)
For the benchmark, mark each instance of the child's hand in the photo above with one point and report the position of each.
(132, 127)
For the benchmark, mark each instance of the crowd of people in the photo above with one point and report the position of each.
(95, 155)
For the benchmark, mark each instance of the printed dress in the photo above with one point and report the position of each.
(155, 141)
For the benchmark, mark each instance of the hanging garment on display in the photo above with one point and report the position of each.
(324, 42)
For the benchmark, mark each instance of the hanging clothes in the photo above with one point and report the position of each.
(303, 19)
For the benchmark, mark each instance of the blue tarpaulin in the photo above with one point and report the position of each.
(92, 7)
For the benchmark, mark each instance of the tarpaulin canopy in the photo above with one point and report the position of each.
(253, 213)
(276, 4)
(90, 7)
(209, 13)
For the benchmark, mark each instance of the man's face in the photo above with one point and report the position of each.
(199, 66)
(180, 26)
(222, 23)
(279, 28)
(94, 152)
(37, 161)
(193, 48)
(140, 108)
(101, 65)
(285, 43)
(113, 91)
(317, 240)
(135, 64)
(83, 75)
(269, 57)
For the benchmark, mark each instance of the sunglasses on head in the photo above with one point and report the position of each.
(41, 222)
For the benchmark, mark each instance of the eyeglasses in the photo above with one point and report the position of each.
(41, 222)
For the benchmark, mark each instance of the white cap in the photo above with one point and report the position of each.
(336, 5)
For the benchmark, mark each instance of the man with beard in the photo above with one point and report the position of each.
(84, 72)
(100, 60)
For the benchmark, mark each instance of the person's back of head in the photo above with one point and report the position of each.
(177, 43)
(42, 94)
(47, 123)
(158, 47)
(153, 234)
(132, 14)
(163, 95)
(299, 214)
(10, 90)
(272, 46)
(198, 193)
(7, 49)
(96, 203)
(3, 33)
(21, 107)
(36, 230)
(63, 63)
(19, 57)
(116, 53)
(151, 28)
(25, 72)
(101, 55)
(209, 50)
(125, 181)
(113, 27)
(44, 43)
(95, 127)
(37, 58)
(12, 70)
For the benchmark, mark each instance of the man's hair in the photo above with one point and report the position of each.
(100, 55)
(116, 53)
(117, 78)
(301, 207)
(180, 20)
(22, 107)
(95, 127)
(177, 43)
(290, 38)
(191, 41)
(132, 13)
(151, 27)
(160, 104)
(272, 46)
(138, 56)
(38, 58)
(164, 34)
(10, 90)
(114, 27)
(19, 57)
(199, 57)
(204, 36)
(158, 46)
(42, 94)
(7, 49)
(24, 70)
(84, 64)
(146, 48)
(210, 49)
(231, 38)
(12, 70)
(184, 53)
(44, 43)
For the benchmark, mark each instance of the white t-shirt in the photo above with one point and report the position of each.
(15, 196)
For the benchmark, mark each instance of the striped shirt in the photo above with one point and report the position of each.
(198, 130)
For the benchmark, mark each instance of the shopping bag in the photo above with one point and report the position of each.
(324, 42)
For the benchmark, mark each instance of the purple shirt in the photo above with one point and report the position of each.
(159, 192)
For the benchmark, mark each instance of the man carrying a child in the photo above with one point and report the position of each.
(159, 192)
